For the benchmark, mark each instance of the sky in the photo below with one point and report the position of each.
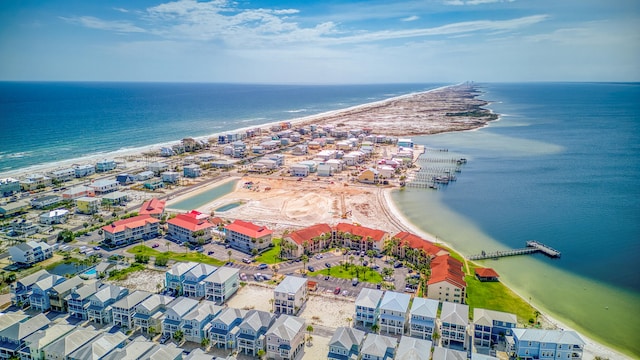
(320, 42)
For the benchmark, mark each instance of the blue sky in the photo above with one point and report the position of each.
(329, 41)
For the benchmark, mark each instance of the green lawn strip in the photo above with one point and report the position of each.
(340, 272)
(271, 256)
(188, 256)
(116, 275)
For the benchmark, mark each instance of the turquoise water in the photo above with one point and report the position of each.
(204, 197)
(91, 272)
(228, 206)
(561, 167)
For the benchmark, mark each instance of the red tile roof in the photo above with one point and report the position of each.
(248, 229)
(152, 207)
(363, 232)
(130, 223)
(306, 234)
(191, 222)
(416, 242)
(486, 273)
(216, 221)
(446, 268)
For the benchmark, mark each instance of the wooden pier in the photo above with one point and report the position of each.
(532, 247)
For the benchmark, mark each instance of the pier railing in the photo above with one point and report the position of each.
(532, 247)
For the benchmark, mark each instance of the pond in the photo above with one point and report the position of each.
(68, 268)
(228, 207)
(204, 197)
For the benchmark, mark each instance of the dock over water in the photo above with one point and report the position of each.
(532, 247)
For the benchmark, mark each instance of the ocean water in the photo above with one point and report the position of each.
(45, 122)
(562, 166)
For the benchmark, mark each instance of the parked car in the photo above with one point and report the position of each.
(311, 268)
(155, 245)
(246, 260)
(337, 291)
(164, 338)
(365, 263)
(354, 282)
(319, 256)
(263, 266)
(397, 265)
(96, 248)
(327, 265)
(243, 276)
(210, 252)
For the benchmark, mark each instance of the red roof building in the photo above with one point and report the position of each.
(486, 274)
(416, 242)
(153, 207)
(246, 236)
(313, 239)
(127, 231)
(191, 227)
(366, 238)
(447, 280)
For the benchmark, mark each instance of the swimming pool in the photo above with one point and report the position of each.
(228, 207)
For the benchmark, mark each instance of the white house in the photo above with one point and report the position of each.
(58, 216)
(30, 252)
(368, 306)
(290, 295)
(393, 312)
(454, 322)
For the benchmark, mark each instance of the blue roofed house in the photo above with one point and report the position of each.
(251, 332)
(100, 310)
(378, 347)
(411, 348)
(491, 327)
(150, 312)
(78, 300)
(13, 336)
(422, 318)
(174, 277)
(533, 344)
(39, 298)
(345, 343)
(193, 285)
(393, 312)
(196, 324)
(285, 338)
(368, 306)
(222, 284)
(125, 308)
(223, 330)
(454, 322)
(21, 290)
(173, 316)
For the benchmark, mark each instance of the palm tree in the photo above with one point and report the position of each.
(205, 343)
(309, 331)
(435, 337)
(260, 353)
(375, 327)
(305, 260)
(178, 335)
(229, 253)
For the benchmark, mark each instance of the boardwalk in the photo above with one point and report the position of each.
(532, 247)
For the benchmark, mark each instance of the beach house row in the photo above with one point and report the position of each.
(202, 281)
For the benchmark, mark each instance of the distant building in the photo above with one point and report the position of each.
(170, 177)
(44, 201)
(58, 216)
(192, 171)
(84, 170)
(193, 227)
(13, 208)
(35, 181)
(115, 198)
(30, 252)
(246, 236)
(78, 191)
(158, 167)
(9, 186)
(62, 174)
(104, 186)
(105, 165)
(127, 231)
(153, 207)
(87, 205)
(290, 295)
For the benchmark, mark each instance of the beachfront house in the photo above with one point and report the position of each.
(413, 349)
(422, 318)
(125, 308)
(299, 170)
(39, 298)
(223, 330)
(173, 316)
(193, 227)
(290, 295)
(58, 216)
(99, 310)
(80, 171)
(345, 343)
(105, 165)
(393, 312)
(158, 168)
(378, 347)
(104, 186)
(128, 231)
(30, 253)
(174, 277)
(34, 182)
(454, 323)
(486, 274)
(250, 337)
(533, 344)
(9, 186)
(79, 299)
(21, 290)
(87, 205)
(45, 201)
(153, 208)
(222, 284)
(309, 240)
(196, 323)
(492, 327)
(368, 307)
(446, 283)
(170, 177)
(369, 176)
(285, 338)
(13, 336)
(245, 236)
(193, 285)
(150, 312)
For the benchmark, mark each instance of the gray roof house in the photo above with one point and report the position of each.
(222, 284)
(198, 354)
(393, 312)
(61, 348)
(223, 330)
(132, 351)
(78, 300)
(441, 353)
(345, 343)
(539, 343)
(150, 312)
(192, 285)
(99, 346)
(174, 314)
(58, 294)
(196, 323)
(285, 338)
(368, 306)
(12, 337)
(491, 326)
(413, 349)
(378, 347)
(290, 295)
(175, 276)
(125, 308)
(250, 338)
(422, 317)
(454, 321)
(21, 289)
(100, 310)
(39, 298)
(34, 343)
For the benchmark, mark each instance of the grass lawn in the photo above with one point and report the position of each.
(341, 272)
(116, 275)
(188, 256)
(271, 256)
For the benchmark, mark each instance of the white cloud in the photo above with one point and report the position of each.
(122, 10)
(474, 2)
(95, 23)
(410, 18)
